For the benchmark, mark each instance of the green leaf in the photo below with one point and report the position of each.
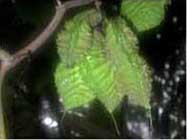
(71, 87)
(143, 14)
(73, 43)
(132, 73)
(99, 74)
(101, 65)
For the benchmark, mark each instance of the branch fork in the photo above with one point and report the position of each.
(8, 62)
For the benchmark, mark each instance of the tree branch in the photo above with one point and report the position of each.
(8, 62)
(41, 39)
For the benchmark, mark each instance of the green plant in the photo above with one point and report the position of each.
(105, 64)
(96, 62)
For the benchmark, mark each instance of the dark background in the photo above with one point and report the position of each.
(166, 44)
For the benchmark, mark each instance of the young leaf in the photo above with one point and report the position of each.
(101, 66)
(73, 43)
(71, 88)
(132, 74)
(143, 14)
(99, 74)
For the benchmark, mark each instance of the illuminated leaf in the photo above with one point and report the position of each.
(144, 14)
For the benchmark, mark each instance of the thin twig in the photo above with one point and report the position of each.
(37, 43)
(8, 62)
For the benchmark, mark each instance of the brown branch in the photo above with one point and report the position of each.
(8, 62)
(37, 43)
